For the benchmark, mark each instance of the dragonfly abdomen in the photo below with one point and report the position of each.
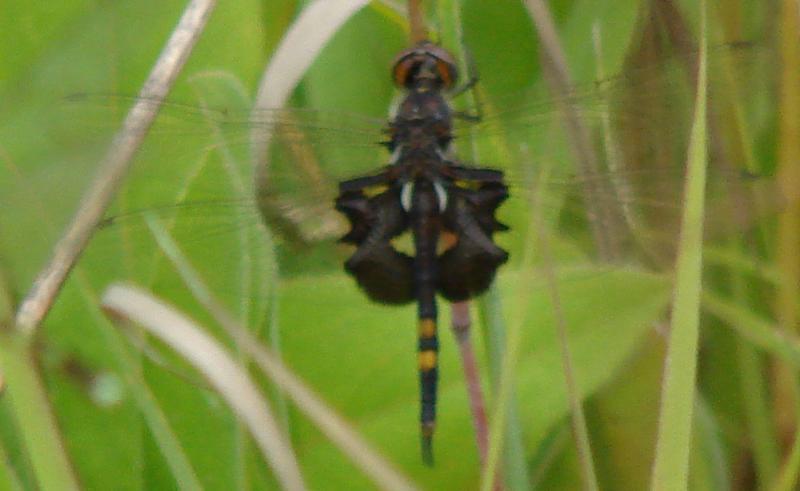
(425, 223)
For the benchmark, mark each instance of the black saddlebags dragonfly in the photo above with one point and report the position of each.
(430, 189)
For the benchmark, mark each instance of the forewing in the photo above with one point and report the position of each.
(202, 152)
(605, 161)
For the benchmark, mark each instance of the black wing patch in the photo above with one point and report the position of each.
(465, 270)
(468, 268)
(386, 275)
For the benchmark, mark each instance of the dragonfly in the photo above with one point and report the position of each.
(429, 193)
(430, 189)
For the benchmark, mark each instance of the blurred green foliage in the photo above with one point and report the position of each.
(358, 356)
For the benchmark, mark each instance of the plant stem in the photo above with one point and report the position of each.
(461, 325)
(115, 166)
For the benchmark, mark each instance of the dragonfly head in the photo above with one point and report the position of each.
(427, 65)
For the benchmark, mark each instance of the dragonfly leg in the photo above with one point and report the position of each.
(474, 174)
(360, 183)
(469, 86)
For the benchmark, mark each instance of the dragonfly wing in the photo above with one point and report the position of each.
(624, 190)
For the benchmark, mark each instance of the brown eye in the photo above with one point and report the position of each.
(447, 72)
(401, 72)
(411, 59)
(445, 64)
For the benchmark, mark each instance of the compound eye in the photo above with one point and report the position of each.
(403, 70)
(408, 64)
(447, 72)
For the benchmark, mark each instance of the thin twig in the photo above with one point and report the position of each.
(452, 34)
(114, 167)
(601, 217)
(417, 31)
(579, 427)
(461, 325)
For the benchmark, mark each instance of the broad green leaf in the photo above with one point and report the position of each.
(362, 359)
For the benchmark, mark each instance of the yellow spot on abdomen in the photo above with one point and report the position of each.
(427, 328)
(427, 360)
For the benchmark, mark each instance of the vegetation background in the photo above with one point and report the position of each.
(108, 398)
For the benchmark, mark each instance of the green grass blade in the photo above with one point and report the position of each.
(671, 466)
(579, 427)
(129, 369)
(9, 479)
(789, 224)
(787, 479)
(711, 469)
(755, 329)
(514, 463)
(31, 407)
(28, 400)
(755, 401)
(502, 403)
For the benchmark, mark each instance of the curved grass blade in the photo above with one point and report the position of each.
(328, 421)
(226, 376)
(315, 26)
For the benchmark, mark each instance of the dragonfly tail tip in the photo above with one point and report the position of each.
(427, 444)
(427, 451)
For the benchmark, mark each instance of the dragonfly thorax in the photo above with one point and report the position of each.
(421, 126)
